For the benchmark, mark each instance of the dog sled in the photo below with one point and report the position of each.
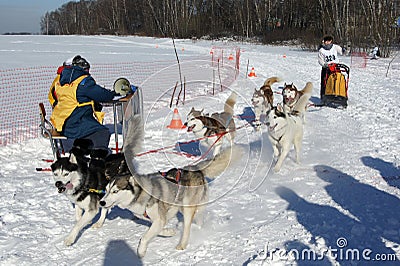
(336, 84)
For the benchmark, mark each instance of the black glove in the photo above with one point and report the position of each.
(98, 107)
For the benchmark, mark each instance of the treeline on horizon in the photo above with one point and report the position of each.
(359, 24)
(17, 33)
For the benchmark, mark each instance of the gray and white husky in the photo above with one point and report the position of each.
(158, 196)
(81, 186)
(212, 130)
(286, 129)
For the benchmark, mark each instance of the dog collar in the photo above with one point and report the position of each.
(97, 191)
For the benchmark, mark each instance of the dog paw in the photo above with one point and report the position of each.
(68, 241)
(97, 225)
(167, 232)
(180, 247)
(277, 168)
(141, 251)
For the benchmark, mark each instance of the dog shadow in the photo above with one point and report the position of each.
(248, 115)
(388, 171)
(190, 148)
(118, 252)
(315, 100)
(114, 213)
(117, 212)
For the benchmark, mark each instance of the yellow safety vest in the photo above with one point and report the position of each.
(67, 103)
(51, 96)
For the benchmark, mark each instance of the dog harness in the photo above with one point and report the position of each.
(177, 176)
(276, 139)
(293, 113)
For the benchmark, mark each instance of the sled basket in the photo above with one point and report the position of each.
(336, 84)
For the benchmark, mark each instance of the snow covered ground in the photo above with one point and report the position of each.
(341, 205)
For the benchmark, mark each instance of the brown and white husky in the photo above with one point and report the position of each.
(291, 95)
(263, 99)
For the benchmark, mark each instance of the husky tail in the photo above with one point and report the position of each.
(301, 104)
(216, 166)
(134, 135)
(271, 81)
(308, 88)
(230, 103)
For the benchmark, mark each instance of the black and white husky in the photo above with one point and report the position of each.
(158, 196)
(285, 129)
(212, 130)
(81, 185)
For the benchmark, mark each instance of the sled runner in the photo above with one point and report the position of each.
(336, 84)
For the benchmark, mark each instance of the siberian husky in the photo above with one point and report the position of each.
(213, 129)
(263, 100)
(286, 129)
(160, 196)
(81, 185)
(291, 95)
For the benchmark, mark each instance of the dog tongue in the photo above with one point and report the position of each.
(69, 186)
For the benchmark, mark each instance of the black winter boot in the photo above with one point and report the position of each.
(81, 147)
(97, 168)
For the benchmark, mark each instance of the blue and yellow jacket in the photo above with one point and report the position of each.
(73, 115)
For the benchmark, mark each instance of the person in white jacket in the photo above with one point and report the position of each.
(327, 54)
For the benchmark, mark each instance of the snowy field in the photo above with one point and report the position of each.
(339, 206)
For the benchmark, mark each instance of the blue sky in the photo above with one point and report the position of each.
(24, 15)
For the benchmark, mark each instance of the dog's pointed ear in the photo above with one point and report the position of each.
(131, 180)
(279, 108)
(72, 158)
(56, 157)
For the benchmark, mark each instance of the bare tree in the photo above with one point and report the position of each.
(361, 23)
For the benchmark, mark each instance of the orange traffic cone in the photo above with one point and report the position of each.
(252, 73)
(176, 122)
(230, 57)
